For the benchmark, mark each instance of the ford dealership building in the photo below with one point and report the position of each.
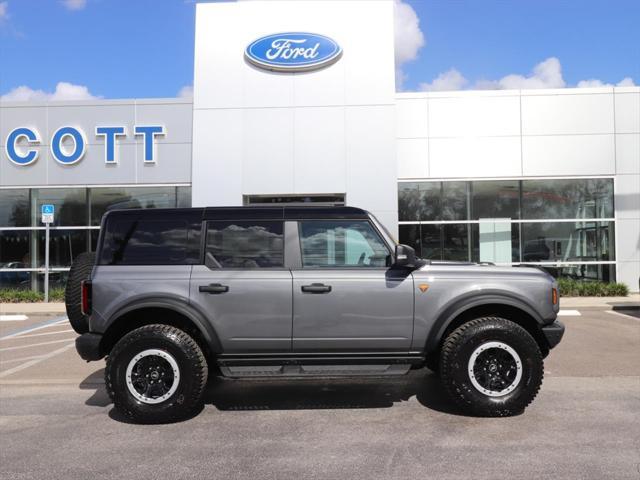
(296, 102)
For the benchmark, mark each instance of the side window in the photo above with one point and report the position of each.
(245, 244)
(132, 241)
(342, 243)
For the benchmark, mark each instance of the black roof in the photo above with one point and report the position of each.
(253, 212)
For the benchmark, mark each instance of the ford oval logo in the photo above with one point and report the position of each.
(293, 52)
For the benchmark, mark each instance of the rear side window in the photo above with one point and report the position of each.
(245, 244)
(133, 241)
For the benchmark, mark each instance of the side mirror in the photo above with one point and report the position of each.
(405, 256)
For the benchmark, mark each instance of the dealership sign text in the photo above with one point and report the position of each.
(69, 144)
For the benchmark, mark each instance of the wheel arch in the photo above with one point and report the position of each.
(492, 305)
(162, 311)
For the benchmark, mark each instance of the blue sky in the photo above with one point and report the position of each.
(144, 48)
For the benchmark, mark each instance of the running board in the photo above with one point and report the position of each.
(317, 366)
(314, 370)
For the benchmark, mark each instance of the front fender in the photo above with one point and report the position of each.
(434, 323)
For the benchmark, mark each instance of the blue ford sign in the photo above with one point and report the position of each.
(293, 52)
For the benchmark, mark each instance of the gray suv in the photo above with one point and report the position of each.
(173, 294)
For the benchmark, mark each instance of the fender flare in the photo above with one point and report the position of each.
(470, 300)
(176, 304)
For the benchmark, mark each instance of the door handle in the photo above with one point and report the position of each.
(316, 288)
(213, 288)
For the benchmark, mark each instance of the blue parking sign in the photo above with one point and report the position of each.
(48, 209)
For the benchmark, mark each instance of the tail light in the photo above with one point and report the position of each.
(554, 296)
(85, 287)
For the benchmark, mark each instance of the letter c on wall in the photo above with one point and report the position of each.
(12, 139)
(80, 145)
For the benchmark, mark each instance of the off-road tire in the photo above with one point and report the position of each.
(80, 270)
(454, 372)
(185, 401)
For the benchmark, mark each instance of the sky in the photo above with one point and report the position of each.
(81, 49)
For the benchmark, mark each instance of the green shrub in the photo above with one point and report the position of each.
(575, 288)
(15, 295)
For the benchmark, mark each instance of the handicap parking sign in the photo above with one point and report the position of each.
(47, 211)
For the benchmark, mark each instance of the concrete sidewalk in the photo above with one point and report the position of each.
(565, 302)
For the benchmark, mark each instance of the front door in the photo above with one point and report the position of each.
(345, 296)
(244, 288)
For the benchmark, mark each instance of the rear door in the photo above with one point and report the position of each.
(345, 296)
(243, 286)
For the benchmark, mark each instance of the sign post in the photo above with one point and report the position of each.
(47, 211)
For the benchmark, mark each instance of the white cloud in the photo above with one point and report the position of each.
(594, 83)
(63, 91)
(4, 11)
(408, 37)
(452, 79)
(186, 92)
(74, 4)
(546, 74)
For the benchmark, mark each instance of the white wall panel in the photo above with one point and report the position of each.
(627, 196)
(267, 165)
(474, 116)
(371, 169)
(413, 158)
(568, 155)
(471, 157)
(412, 118)
(628, 153)
(629, 272)
(627, 112)
(319, 150)
(628, 240)
(572, 113)
(218, 183)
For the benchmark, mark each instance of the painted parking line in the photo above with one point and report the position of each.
(569, 313)
(21, 347)
(45, 324)
(13, 318)
(620, 314)
(35, 361)
(21, 359)
(19, 337)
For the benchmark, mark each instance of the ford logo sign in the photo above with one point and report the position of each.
(293, 52)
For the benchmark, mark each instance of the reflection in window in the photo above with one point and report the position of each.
(14, 207)
(573, 198)
(567, 241)
(496, 199)
(410, 235)
(132, 241)
(70, 204)
(454, 201)
(342, 244)
(601, 272)
(408, 202)
(14, 249)
(430, 238)
(245, 245)
(118, 198)
(64, 247)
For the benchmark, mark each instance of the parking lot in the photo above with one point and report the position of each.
(57, 422)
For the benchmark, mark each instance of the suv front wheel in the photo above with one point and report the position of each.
(156, 373)
(491, 367)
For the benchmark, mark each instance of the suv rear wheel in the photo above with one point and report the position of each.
(491, 367)
(156, 374)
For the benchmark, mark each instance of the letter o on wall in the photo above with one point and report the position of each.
(59, 154)
(14, 137)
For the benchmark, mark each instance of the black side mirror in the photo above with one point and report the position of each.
(405, 256)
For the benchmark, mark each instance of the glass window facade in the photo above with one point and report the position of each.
(76, 227)
(564, 225)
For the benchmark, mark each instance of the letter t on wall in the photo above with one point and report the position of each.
(149, 132)
(110, 134)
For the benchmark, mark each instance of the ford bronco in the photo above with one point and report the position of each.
(172, 295)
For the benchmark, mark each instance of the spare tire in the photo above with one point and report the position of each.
(80, 270)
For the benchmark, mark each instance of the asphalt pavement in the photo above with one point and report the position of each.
(56, 421)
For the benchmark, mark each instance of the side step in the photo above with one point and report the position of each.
(314, 370)
(355, 365)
